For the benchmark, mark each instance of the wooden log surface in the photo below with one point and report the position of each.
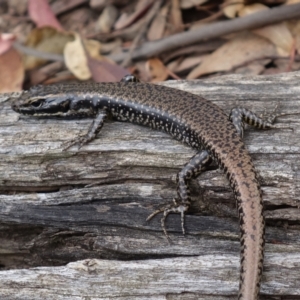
(72, 223)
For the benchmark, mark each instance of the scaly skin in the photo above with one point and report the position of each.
(188, 118)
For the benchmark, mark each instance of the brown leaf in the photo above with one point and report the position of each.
(253, 68)
(103, 71)
(45, 39)
(232, 8)
(83, 59)
(252, 8)
(41, 14)
(75, 58)
(294, 27)
(185, 4)
(59, 7)
(40, 75)
(107, 19)
(126, 20)
(175, 17)
(11, 72)
(158, 25)
(279, 35)
(243, 48)
(157, 69)
(6, 40)
(186, 64)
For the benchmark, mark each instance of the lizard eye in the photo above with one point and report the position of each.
(37, 103)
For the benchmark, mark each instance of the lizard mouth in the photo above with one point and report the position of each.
(26, 109)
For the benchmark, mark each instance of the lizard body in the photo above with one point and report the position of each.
(188, 118)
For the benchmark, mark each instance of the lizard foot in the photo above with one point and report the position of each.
(174, 207)
(80, 141)
(271, 116)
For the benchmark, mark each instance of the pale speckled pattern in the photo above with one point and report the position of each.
(192, 120)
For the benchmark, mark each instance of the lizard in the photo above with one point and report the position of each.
(187, 117)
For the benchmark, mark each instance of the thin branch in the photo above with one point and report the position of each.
(37, 53)
(154, 10)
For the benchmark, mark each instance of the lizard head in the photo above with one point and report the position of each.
(37, 102)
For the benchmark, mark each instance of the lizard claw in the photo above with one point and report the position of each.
(271, 116)
(175, 207)
(81, 141)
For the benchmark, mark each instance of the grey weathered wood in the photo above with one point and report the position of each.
(144, 279)
(49, 216)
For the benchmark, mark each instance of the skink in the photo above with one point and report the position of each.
(188, 118)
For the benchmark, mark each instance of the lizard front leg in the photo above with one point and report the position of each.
(94, 129)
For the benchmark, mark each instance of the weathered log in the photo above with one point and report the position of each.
(91, 204)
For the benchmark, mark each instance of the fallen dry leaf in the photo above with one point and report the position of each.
(231, 8)
(140, 69)
(93, 47)
(185, 4)
(6, 41)
(186, 64)
(102, 68)
(42, 74)
(279, 35)
(243, 48)
(45, 39)
(41, 14)
(99, 5)
(158, 25)
(175, 17)
(76, 59)
(107, 19)
(59, 7)
(157, 69)
(294, 27)
(253, 68)
(16, 7)
(115, 46)
(103, 71)
(126, 20)
(12, 71)
(252, 8)
(83, 59)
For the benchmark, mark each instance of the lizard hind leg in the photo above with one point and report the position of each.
(197, 164)
(241, 115)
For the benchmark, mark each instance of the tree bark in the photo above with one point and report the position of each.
(72, 223)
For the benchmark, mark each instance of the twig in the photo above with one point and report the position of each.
(199, 49)
(37, 53)
(253, 21)
(148, 19)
